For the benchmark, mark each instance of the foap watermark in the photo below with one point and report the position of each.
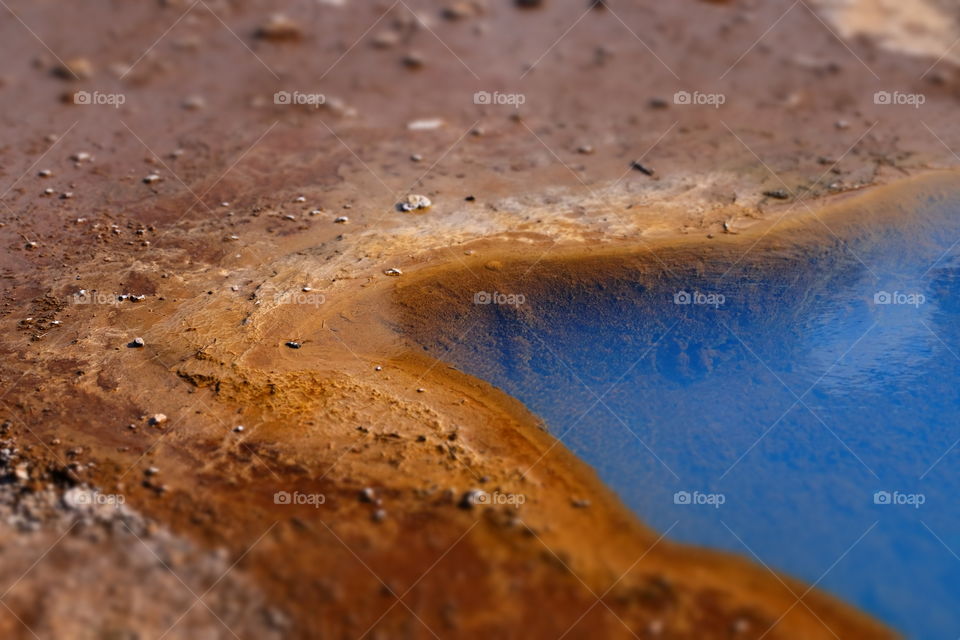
(102, 499)
(899, 98)
(95, 297)
(496, 498)
(714, 500)
(298, 498)
(99, 98)
(697, 98)
(900, 298)
(498, 98)
(495, 297)
(714, 300)
(80, 497)
(899, 498)
(314, 100)
(308, 297)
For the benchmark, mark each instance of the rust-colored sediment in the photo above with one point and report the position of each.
(224, 293)
(321, 418)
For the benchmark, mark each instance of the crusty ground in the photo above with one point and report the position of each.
(223, 291)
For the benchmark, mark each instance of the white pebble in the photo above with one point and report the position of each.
(415, 201)
(425, 124)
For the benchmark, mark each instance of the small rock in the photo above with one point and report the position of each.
(367, 494)
(341, 219)
(45, 173)
(470, 499)
(150, 179)
(74, 69)
(238, 428)
(386, 39)
(415, 201)
(638, 166)
(779, 194)
(658, 103)
(425, 124)
(157, 419)
(393, 272)
(293, 344)
(136, 343)
(279, 28)
(413, 60)
(277, 619)
(77, 498)
(194, 103)
(458, 11)
(151, 471)
(81, 156)
(379, 515)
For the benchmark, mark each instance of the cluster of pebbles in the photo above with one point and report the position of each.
(71, 550)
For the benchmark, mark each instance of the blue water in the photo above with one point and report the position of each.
(781, 412)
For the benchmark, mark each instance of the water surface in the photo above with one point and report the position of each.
(803, 413)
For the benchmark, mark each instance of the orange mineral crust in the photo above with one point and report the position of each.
(229, 234)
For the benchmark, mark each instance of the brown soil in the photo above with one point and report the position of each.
(223, 293)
